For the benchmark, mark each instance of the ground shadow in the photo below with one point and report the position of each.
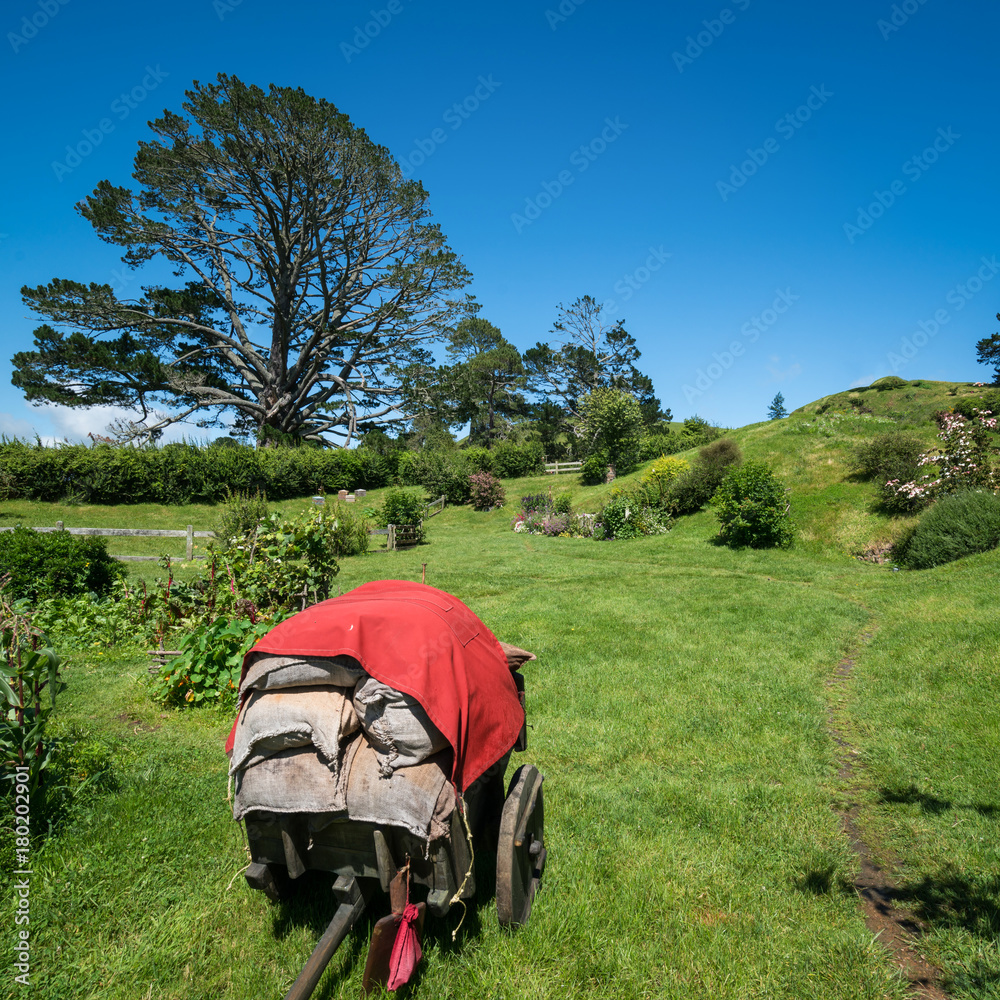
(930, 804)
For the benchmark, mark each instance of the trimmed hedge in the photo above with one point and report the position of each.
(183, 473)
(959, 524)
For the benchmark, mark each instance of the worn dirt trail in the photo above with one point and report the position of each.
(898, 929)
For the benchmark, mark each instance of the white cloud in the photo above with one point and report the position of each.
(15, 427)
(74, 424)
(793, 371)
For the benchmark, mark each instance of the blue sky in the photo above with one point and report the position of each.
(773, 196)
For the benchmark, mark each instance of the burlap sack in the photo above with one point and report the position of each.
(272, 721)
(267, 672)
(300, 780)
(396, 726)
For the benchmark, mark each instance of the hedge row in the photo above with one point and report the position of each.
(182, 473)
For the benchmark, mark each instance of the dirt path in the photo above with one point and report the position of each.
(898, 929)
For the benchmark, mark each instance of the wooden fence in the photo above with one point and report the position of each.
(189, 534)
(557, 467)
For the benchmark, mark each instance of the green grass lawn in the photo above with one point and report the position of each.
(679, 709)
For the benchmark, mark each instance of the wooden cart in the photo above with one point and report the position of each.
(365, 856)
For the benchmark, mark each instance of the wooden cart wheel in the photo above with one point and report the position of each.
(521, 847)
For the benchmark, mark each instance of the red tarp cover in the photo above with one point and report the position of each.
(425, 643)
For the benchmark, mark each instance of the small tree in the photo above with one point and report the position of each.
(614, 421)
(988, 353)
(777, 411)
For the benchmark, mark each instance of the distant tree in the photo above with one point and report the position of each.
(313, 276)
(988, 353)
(486, 378)
(777, 411)
(589, 353)
(613, 420)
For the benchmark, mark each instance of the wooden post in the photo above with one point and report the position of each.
(391, 542)
(190, 542)
(59, 526)
(423, 573)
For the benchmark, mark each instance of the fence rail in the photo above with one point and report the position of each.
(557, 467)
(437, 505)
(188, 533)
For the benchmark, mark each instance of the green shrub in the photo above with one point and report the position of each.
(986, 401)
(889, 382)
(562, 504)
(515, 461)
(402, 507)
(629, 514)
(210, 662)
(959, 524)
(691, 490)
(241, 514)
(487, 491)
(662, 473)
(594, 469)
(55, 564)
(752, 507)
(349, 533)
(893, 455)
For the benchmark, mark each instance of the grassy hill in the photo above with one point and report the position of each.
(682, 709)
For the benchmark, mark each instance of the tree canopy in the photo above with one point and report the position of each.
(988, 353)
(776, 410)
(312, 276)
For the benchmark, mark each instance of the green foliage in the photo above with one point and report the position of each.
(402, 507)
(892, 455)
(286, 562)
(51, 564)
(487, 491)
(959, 524)
(594, 469)
(888, 382)
(124, 618)
(983, 402)
(752, 507)
(562, 504)
(240, 516)
(349, 533)
(182, 473)
(630, 514)
(776, 410)
(613, 418)
(988, 353)
(210, 662)
(662, 473)
(691, 490)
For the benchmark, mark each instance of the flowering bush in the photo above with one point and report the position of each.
(663, 472)
(962, 462)
(566, 525)
(628, 515)
(487, 491)
(535, 502)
